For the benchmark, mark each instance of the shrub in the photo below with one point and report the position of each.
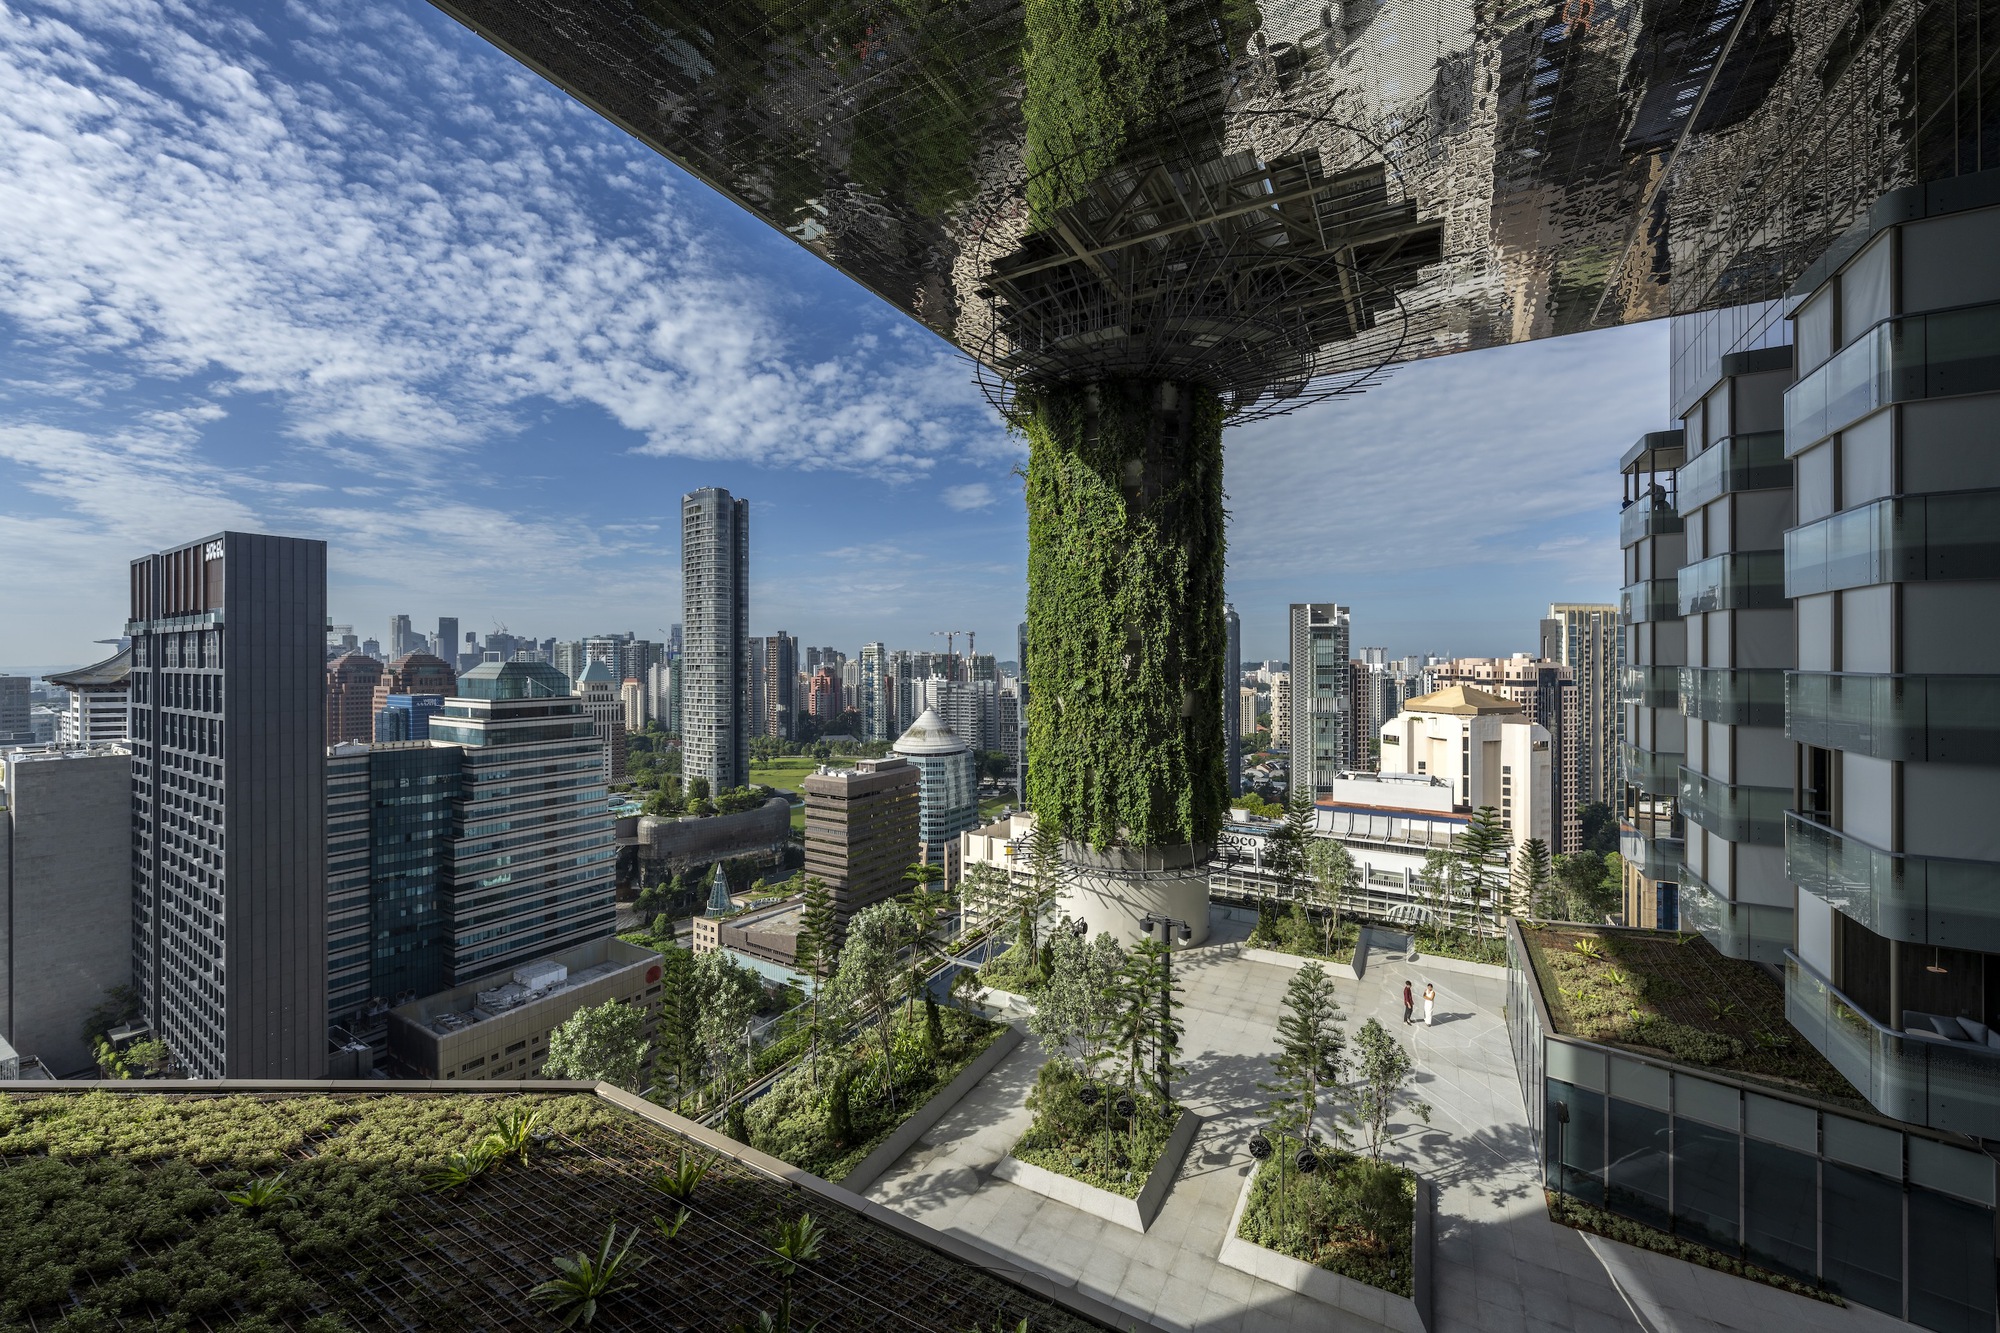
(1352, 1217)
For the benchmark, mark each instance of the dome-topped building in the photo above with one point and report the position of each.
(948, 794)
(597, 686)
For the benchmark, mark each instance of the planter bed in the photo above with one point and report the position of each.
(1135, 1212)
(1406, 1314)
(921, 1121)
(789, 1121)
(1295, 961)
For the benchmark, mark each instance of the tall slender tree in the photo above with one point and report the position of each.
(870, 976)
(1533, 875)
(1310, 1049)
(1382, 1070)
(1332, 872)
(818, 955)
(1481, 847)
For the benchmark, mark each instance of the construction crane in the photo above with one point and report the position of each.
(950, 637)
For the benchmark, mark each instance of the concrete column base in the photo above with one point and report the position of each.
(1115, 889)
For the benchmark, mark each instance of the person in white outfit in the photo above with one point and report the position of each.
(1430, 999)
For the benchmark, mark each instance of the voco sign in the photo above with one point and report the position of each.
(212, 551)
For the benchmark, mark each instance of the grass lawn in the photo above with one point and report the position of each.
(788, 771)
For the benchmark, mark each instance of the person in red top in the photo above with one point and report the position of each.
(1409, 1002)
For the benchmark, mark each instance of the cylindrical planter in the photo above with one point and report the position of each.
(1115, 889)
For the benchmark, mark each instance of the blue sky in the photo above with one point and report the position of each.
(345, 271)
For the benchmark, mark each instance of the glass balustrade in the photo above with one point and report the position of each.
(1932, 719)
(1936, 355)
(1650, 686)
(1739, 696)
(1654, 516)
(1902, 539)
(1921, 899)
(1754, 462)
(1756, 931)
(1946, 1085)
(1736, 581)
(1660, 858)
(1740, 814)
(1654, 599)
(1656, 771)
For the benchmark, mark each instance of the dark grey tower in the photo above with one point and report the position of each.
(1232, 707)
(715, 600)
(229, 803)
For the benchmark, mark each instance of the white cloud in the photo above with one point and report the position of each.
(973, 495)
(402, 265)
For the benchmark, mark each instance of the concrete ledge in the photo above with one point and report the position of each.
(1432, 963)
(1005, 1005)
(1279, 958)
(1405, 1314)
(871, 1167)
(1132, 1214)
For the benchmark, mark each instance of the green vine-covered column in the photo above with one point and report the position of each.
(1125, 629)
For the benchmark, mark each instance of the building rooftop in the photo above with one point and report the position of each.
(596, 671)
(513, 680)
(365, 1238)
(929, 735)
(1461, 701)
(1675, 996)
(500, 992)
(112, 671)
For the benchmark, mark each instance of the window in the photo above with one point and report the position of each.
(1636, 1183)
(1781, 1208)
(1951, 1262)
(1864, 1236)
(1705, 1183)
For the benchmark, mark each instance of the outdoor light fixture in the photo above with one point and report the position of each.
(1079, 928)
(1187, 934)
(1146, 925)
(1088, 1094)
(1260, 1147)
(1307, 1161)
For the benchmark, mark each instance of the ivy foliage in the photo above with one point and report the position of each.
(1125, 630)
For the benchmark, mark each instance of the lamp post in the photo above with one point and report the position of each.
(1305, 1159)
(1170, 930)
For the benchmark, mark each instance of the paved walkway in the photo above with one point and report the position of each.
(1502, 1266)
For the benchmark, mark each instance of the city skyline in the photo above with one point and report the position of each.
(470, 445)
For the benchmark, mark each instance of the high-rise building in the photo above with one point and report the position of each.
(65, 896)
(663, 694)
(826, 700)
(351, 679)
(1651, 836)
(1546, 691)
(388, 847)
(632, 696)
(1321, 708)
(568, 657)
(948, 794)
(1589, 640)
(1246, 715)
(862, 830)
(445, 642)
(1233, 730)
(533, 850)
(412, 673)
(876, 716)
(606, 711)
(399, 636)
(715, 601)
(100, 701)
(779, 693)
(674, 639)
(407, 717)
(17, 725)
(1281, 708)
(1487, 751)
(1734, 496)
(229, 803)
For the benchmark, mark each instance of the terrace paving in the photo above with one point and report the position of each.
(1502, 1266)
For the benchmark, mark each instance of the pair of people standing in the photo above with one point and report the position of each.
(1409, 1002)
